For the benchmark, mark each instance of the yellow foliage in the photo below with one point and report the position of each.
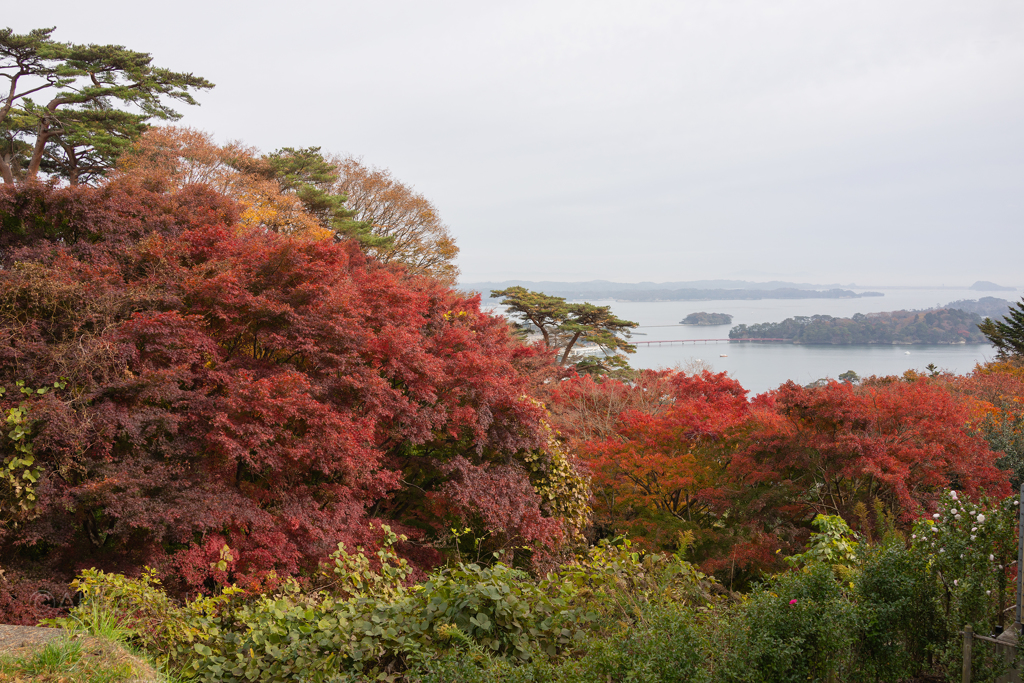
(172, 157)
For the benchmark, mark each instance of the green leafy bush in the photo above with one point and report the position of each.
(832, 544)
(969, 549)
(797, 627)
(850, 613)
(898, 620)
(664, 646)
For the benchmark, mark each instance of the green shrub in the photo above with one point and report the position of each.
(968, 549)
(368, 623)
(867, 613)
(797, 627)
(139, 612)
(663, 648)
(898, 620)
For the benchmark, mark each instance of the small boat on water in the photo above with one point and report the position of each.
(723, 355)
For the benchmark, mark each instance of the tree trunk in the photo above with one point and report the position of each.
(72, 164)
(5, 171)
(42, 137)
(568, 348)
(37, 153)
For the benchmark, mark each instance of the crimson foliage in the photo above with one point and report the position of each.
(690, 453)
(256, 390)
(836, 448)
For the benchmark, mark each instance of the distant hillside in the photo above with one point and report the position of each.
(649, 291)
(589, 288)
(986, 286)
(941, 326)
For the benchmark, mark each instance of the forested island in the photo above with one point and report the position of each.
(707, 319)
(940, 326)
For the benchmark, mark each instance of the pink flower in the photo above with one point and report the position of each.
(793, 601)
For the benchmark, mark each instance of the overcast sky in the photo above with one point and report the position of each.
(864, 141)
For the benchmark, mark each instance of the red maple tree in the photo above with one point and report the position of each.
(263, 391)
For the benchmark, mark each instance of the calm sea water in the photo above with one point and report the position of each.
(764, 366)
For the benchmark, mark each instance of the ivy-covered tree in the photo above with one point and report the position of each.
(70, 110)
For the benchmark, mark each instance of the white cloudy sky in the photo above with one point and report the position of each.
(825, 140)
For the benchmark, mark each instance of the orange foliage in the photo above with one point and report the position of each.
(420, 239)
(584, 409)
(670, 461)
(172, 157)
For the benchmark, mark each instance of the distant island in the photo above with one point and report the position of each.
(986, 286)
(581, 290)
(649, 291)
(940, 326)
(703, 318)
(734, 294)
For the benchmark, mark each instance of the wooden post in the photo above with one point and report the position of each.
(968, 642)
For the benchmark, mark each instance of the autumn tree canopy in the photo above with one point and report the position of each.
(409, 226)
(170, 157)
(307, 175)
(258, 390)
(71, 110)
(688, 453)
(300, 191)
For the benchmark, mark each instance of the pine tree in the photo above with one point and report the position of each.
(1007, 335)
(306, 174)
(81, 125)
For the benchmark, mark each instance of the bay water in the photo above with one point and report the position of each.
(760, 366)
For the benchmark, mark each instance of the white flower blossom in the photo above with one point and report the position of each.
(957, 517)
(942, 550)
(981, 518)
(936, 515)
(913, 535)
(952, 494)
(973, 537)
(953, 511)
(991, 558)
(988, 592)
(956, 582)
(935, 529)
(974, 528)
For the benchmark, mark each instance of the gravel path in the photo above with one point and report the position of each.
(18, 640)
